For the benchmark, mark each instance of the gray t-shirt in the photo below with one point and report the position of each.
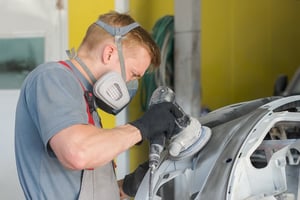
(51, 99)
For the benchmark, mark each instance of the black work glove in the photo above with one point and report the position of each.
(132, 181)
(158, 120)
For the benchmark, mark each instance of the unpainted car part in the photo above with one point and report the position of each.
(253, 153)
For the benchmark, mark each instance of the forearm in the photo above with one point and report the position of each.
(109, 143)
(86, 146)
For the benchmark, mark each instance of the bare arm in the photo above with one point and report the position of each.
(86, 146)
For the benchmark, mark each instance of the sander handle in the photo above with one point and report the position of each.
(160, 95)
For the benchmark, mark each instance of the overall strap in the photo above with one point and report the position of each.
(99, 183)
(88, 96)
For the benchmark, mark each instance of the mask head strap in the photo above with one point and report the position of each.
(118, 33)
(73, 55)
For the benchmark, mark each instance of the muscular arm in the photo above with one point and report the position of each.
(55, 101)
(86, 146)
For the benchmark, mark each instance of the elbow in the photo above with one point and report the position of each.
(75, 159)
(80, 160)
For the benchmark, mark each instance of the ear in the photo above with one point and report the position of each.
(107, 53)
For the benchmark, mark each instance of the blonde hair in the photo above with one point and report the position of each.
(137, 36)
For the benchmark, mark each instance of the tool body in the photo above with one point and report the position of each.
(188, 137)
(160, 95)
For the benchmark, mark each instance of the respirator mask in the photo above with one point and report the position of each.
(111, 91)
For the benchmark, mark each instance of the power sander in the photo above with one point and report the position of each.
(189, 139)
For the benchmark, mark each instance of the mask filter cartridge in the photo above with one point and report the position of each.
(112, 93)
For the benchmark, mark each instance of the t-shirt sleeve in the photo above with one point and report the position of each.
(55, 100)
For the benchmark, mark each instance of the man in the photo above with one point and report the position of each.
(61, 150)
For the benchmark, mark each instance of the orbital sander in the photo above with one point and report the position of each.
(189, 139)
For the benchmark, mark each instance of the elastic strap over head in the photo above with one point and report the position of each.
(118, 33)
(121, 57)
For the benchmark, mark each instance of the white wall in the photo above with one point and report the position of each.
(9, 186)
(19, 18)
(23, 19)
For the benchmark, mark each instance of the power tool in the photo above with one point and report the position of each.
(189, 137)
(160, 95)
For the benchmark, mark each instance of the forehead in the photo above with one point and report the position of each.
(139, 59)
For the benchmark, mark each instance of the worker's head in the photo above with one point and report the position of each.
(124, 51)
(137, 44)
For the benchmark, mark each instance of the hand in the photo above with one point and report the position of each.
(159, 119)
(123, 195)
(185, 138)
(132, 181)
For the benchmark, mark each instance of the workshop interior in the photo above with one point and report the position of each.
(233, 65)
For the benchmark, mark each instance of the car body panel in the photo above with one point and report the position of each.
(230, 164)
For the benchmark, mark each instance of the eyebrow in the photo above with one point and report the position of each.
(137, 75)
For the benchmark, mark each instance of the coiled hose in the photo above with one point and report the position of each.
(163, 35)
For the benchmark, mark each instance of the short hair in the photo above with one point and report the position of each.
(137, 36)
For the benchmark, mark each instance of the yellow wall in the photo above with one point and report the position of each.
(245, 46)
(81, 15)
(146, 13)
